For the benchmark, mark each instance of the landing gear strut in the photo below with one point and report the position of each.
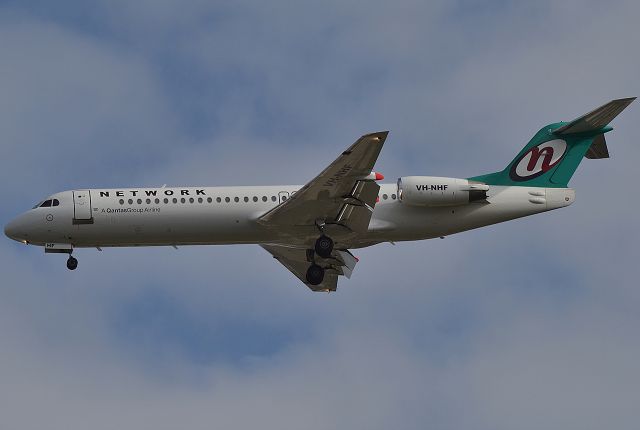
(315, 274)
(72, 263)
(324, 246)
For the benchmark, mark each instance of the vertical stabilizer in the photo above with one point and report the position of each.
(554, 153)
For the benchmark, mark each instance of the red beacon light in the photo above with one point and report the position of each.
(374, 176)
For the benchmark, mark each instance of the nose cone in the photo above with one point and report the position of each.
(12, 230)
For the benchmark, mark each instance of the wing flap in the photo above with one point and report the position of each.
(356, 212)
(355, 217)
(365, 192)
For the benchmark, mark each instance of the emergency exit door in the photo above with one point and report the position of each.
(82, 207)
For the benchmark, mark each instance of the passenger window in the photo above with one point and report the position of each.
(55, 202)
(246, 199)
(139, 201)
(182, 200)
(255, 199)
(157, 201)
(130, 201)
(227, 199)
(190, 199)
(148, 201)
(121, 201)
(46, 204)
(393, 196)
(236, 199)
(200, 200)
(218, 199)
(264, 198)
(273, 198)
(384, 196)
(175, 200)
(209, 199)
(166, 201)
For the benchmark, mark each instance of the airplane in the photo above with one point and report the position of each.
(311, 229)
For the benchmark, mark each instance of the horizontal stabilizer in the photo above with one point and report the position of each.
(598, 149)
(596, 119)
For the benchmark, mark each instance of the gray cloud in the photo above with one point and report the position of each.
(527, 324)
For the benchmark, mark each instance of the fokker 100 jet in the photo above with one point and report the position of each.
(310, 229)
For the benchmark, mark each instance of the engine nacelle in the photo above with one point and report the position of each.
(435, 191)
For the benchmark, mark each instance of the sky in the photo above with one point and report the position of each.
(528, 324)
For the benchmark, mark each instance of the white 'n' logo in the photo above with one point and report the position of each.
(538, 160)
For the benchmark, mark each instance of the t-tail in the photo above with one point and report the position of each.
(554, 153)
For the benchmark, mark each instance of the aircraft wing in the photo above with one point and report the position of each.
(343, 193)
(297, 261)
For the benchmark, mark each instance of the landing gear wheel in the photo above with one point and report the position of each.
(72, 263)
(324, 246)
(315, 274)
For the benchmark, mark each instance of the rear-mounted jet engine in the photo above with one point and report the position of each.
(436, 191)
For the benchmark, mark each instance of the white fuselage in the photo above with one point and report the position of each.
(228, 215)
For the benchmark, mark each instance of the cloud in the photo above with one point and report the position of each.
(77, 105)
(526, 324)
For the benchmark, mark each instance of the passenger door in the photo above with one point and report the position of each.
(82, 207)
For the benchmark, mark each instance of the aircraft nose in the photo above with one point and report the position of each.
(12, 230)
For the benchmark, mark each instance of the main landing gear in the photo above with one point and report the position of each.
(72, 263)
(323, 248)
(315, 274)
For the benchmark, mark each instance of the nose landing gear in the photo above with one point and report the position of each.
(72, 263)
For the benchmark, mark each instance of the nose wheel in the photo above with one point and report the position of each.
(72, 263)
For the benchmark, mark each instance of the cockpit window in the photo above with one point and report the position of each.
(48, 203)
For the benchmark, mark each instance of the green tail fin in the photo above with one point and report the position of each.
(554, 153)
